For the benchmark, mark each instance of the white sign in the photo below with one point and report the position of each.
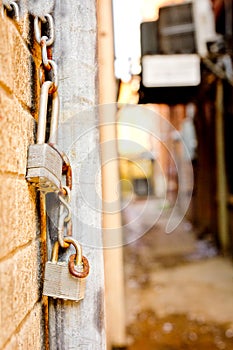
(171, 70)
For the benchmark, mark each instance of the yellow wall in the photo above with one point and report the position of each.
(20, 242)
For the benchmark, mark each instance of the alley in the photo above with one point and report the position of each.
(178, 289)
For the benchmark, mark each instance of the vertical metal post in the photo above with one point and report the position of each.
(79, 325)
(221, 170)
(113, 257)
(228, 18)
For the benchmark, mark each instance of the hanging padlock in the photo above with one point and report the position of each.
(44, 167)
(66, 281)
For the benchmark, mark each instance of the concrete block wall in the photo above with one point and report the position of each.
(21, 320)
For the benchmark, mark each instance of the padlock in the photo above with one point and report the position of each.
(66, 281)
(44, 166)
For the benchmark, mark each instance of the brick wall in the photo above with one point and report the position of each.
(20, 236)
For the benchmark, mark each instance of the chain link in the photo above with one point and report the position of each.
(11, 6)
(44, 52)
(64, 221)
(37, 29)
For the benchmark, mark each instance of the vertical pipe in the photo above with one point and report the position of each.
(228, 18)
(44, 258)
(79, 325)
(113, 257)
(221, 170)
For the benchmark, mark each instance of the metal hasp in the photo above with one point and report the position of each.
(66, 281)
(44, 167)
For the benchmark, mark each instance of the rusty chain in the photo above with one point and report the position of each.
(48, 66)
(48, 69)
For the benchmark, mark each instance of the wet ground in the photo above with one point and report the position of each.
(179, 290)
(177, 332)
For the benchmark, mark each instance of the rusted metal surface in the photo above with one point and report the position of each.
(72, 264)
(67, 170)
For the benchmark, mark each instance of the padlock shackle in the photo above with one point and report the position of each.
(85, 268)
(42, 118)
(54, 119)
(78, 248)
(75, 243)
(55, 252)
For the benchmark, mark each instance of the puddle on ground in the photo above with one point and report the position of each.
(177, 332)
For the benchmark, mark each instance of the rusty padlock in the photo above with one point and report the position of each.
(66, 281)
